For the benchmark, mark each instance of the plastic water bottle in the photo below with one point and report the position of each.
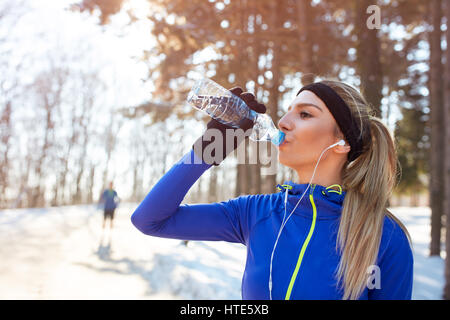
(229, 109)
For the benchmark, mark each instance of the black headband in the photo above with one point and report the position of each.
(341, 113)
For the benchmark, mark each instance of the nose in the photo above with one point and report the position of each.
(284, 123)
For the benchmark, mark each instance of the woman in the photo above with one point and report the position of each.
(337, 243)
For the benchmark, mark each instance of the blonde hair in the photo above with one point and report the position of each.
(368, 182)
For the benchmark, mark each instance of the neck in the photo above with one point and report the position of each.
(326, 174)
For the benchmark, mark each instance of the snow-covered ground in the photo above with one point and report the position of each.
(63, 253)
(428, 271)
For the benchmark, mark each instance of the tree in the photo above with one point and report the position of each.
(412, 151)
(10, 90)
(90, 86)
(107, 7)
(5, 138)
(368, 57)
(271, 48)
(446, 155)
(437, 127)
(236, 35)
(49, 86)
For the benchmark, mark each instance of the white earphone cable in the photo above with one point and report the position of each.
(283, 223)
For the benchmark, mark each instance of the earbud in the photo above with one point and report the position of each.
(340, 143)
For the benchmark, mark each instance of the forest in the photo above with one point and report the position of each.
(71, 121)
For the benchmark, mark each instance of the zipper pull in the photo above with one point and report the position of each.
(311, 189)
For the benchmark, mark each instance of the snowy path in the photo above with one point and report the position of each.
(62, 253)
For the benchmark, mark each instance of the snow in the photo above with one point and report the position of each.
(63, 253)
(429, 277)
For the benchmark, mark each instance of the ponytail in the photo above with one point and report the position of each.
(369, 181)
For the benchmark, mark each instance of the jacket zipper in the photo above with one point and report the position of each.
(304, 246)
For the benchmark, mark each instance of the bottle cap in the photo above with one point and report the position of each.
(278, 138)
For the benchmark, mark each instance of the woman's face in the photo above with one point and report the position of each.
(310, 128)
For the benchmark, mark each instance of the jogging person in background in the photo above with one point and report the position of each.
(327, 236)
(110, 200)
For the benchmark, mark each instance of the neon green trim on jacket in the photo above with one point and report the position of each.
(302, 252)
(287, 186)
(335, 185)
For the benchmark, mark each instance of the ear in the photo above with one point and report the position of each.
(342, 149)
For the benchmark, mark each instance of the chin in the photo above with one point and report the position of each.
(290, 159)
(284, 160)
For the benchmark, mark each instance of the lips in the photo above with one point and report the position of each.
(285, 141)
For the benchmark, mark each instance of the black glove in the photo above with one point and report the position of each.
(200, 145)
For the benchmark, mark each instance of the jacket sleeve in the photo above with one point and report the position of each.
(396, 269)
(160, 213)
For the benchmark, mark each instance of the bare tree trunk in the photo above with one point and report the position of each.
(90, 196)
(73, 140)
(242, 184)
(63, 180)
(436, 102)
(414, 200)
(49, 87)
(304, 33)
(446, 158)
(255, 168)
(39, 189)
(368, 58)
(274, 98)
(111, 141)
(136, 181)
(23, 198)
(5, 138)
(77, 198)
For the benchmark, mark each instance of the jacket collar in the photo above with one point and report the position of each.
(328, 200)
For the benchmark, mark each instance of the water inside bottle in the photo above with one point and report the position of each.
(232, 111)
(222, 108)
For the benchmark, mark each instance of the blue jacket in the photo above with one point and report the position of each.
(109, 199)
(305, 260)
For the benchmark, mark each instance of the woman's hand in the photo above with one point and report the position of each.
(200, 145)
